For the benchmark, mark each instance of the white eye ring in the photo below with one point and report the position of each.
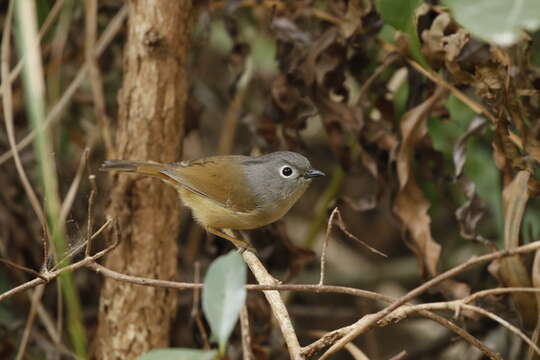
(286, 171)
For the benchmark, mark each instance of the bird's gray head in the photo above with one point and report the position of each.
(278, 176)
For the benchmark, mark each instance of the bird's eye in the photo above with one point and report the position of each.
(286, 171)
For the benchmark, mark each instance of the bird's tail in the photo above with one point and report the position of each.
(141, 167)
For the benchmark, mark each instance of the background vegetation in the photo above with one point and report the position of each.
(424, 114)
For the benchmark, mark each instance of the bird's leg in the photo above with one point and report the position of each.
(240, 244)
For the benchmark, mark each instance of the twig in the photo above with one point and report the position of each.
(336, 214)
(72, 192)
(325, 246)
(247, 354)
(21, 268)
(59, 308)
(195, 312)
(367, 322)
(473, 105)
(504, 323)
(321, 209)
(355, 352)
(47, 322)
(496, 291)
(36, 298)
(47, 276)
(77, 249)
(457, 306)
(110, 32)
(437, 79)
(343, 228)
(96, 83)
(53, 13)
(276, 303)
(326, 340)
(90, 224)
(337, 334)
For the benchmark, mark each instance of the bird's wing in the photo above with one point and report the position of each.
(222, 180)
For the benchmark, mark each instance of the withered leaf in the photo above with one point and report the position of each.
(410, 204)
(513, 271)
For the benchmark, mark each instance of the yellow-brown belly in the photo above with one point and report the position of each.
(211, 214)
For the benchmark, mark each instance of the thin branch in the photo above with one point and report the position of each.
(326, 340)
(96, 82)
(339, 221)
(47, 276)
(78, 248)
(195, 310)
(457, 306)
(90, 224)
(110, 32)
(355, 352)
(504, 323)
(247, 354)
(44, 29)
(72, 192)
(368, 322)
(333, 336)
(497, 291)
(36, 299)
(325, 246)
(21, 268)
(276, 303)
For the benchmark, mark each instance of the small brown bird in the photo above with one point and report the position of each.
(232, 191)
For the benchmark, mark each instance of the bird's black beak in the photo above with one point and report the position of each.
(312, 173)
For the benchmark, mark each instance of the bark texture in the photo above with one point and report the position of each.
(134, 319)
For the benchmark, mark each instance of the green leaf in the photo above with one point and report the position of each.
(398, 13)
(497, 21)
(444, 134)
(224, 294)
(179, 354)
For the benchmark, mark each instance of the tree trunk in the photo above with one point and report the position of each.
(134, 319)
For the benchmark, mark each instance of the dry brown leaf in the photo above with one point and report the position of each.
(513, 271)
(410, 204)
(411, 207)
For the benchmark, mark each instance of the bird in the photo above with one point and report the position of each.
(233, 192)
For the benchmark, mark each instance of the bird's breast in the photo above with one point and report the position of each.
(212, 214)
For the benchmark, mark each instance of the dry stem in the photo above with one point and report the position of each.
(367, 322)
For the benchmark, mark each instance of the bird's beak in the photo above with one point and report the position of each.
(312, 173)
